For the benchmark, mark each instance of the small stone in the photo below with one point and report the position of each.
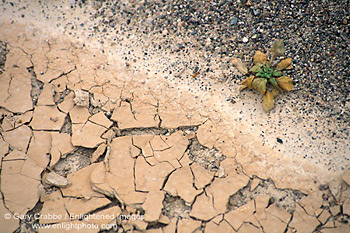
(256, 12)
(279, 140)
(54, 119)
(245, 40)
(53, 179)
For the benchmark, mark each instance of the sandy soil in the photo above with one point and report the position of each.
(100, 128)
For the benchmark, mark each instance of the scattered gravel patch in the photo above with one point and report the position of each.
(3, 52)
(316, 35)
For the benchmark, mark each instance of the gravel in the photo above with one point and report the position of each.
(316, 35)
(3, 52)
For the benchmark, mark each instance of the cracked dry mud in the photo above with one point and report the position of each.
(82, 136)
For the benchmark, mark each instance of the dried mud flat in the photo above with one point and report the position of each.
(91, 143)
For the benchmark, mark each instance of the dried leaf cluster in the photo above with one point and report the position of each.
(264, 78)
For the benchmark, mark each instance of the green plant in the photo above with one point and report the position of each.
(265, 78)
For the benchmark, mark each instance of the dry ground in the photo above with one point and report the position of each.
(89, 143)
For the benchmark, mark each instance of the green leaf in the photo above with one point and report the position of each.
(265, 75)
(241, 67)
(285, 83)
(256, 69)
(260, 73)
(277, 48)
(268, 101)
(259, 84)
(268, 70)
(277, 73)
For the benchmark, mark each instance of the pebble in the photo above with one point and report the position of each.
(279, 140)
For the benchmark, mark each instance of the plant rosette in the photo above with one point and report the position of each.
(264, 78)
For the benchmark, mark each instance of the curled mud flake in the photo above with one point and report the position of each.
(82, 98)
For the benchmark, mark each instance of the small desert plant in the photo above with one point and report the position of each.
(264, 78)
